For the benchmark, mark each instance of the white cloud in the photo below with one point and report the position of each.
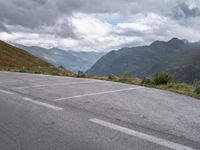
(102, 32)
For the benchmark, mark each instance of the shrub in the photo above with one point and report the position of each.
(197, 86)
(81, 74)
(37, 72)
(162, 78)
(111, 77)
(197, 90)
(125, 75)
(23, 70)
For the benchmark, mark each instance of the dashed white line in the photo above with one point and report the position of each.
(6, 92)
(100, 93)
(45, 85)
(140, 135)
(42, 104)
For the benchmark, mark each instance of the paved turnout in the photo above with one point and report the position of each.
(41, 112)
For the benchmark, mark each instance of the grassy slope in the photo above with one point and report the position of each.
(15, 59)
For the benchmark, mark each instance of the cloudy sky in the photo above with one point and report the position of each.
(99, 25)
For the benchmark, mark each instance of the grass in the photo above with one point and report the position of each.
(181, 88)
(17, 60)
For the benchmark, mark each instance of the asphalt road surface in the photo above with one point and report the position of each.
(40, 112)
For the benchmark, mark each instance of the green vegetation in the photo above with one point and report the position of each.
(125, 75)
(197, 86)
(162, 78)
(181, 88)
(197, 90)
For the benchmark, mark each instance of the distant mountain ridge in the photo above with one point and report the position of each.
(15, 59)
(71, 60)
(146, 60)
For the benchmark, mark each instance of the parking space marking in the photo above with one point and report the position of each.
(27, 80)
(45, 85)
(17, 80)
(140, 135)
(99, 93)
(6, 92)
(42, 104)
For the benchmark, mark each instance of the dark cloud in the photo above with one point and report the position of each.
(41, 2)
(183, 10)
(29, 14)
(36, 13)
(3, 28)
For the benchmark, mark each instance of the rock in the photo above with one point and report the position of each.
(146, 80)
(111, 77)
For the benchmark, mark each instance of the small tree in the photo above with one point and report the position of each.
(125, 75)
(162, 78)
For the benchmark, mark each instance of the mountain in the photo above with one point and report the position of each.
(185, 66)
(179, 57)
(16, 59)
(71, 60)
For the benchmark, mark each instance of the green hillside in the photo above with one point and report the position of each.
(15, 59)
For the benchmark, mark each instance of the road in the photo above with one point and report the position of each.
(41, 112)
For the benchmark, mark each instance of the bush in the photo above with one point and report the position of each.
(81, 74)
(197, 90)
(197, 86)
(162, 78)
(125, 75)
(111, 77)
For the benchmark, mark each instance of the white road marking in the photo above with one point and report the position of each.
(42, 104)
(6, 92)
(100, 93)
(140, 135)
(45, 85)
(27, 80)
(11, 81)
(19, 74)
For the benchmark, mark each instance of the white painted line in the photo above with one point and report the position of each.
(45, 85)
(24, 80)
(12, 81)
(42, 104)
(100, 93)
(140, 135)
(6, 92)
